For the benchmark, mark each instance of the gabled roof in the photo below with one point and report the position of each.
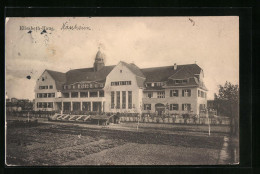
(88, 74)
(182, 73)
(160, 74)
(156, 74)
(135, 69)
(59, 78)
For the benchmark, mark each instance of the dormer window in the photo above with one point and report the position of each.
(178, 81)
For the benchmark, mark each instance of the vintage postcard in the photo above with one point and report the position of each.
(122, 91)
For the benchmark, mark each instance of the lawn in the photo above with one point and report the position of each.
(55, 144)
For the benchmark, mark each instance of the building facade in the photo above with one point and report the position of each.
(123, 88)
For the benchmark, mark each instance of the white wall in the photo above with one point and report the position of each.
(125, 75)
(48, 80)
(193, 100)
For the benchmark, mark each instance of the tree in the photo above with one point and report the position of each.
(229, 95)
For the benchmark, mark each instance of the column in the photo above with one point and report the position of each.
(97, 93)
(71, 106)
(91, 105)
(88, 94)
(81, 106)
(126, 102)
(69, 94)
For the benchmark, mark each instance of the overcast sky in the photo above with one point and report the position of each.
(211, 42)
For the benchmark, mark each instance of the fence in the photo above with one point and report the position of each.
(40, 114)
(178, 120)
(133, 117)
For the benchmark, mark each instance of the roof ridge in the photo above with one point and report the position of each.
(168, 66)
(54, 71)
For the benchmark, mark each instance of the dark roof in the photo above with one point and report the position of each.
(88, 74)
(160, 74)
(156, 74)
(59, 77)
(182, 73)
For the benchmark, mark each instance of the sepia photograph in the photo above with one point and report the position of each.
(91, 91)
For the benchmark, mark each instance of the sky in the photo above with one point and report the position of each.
(211, 42)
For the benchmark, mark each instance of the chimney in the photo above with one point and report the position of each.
(175, 66)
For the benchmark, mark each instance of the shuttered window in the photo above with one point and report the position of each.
(186, 93)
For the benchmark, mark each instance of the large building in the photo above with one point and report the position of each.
(123, 88)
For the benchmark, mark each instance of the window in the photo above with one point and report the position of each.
(78, 86)
(83, 94)
(101, 93)
(147, 106)
(53, 95)
(159, 84)
(202, 94)
(66, 95)
(202, 106)
(174, 107)
(199, 93)
(44, 95)
(186, 92)
(51, 87)
(186, 107)
(49, 95)
(118, 99)
(178, 81)
(93, 94)
(120, 83)
(121, 71)
(43, 87)
(174, 93)
(148, 84)
(112, 99)
(74, 95)
(161, 94)
(150, 94)
(40, 105)
(123, 99)
(50, 105)
(129, 99)
(101, 85)
(184, 81)
(44, 104)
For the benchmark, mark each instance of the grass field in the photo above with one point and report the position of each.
(68, 144)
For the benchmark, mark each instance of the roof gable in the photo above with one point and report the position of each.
(134, 69)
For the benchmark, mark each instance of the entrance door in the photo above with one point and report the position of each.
(159, 108)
